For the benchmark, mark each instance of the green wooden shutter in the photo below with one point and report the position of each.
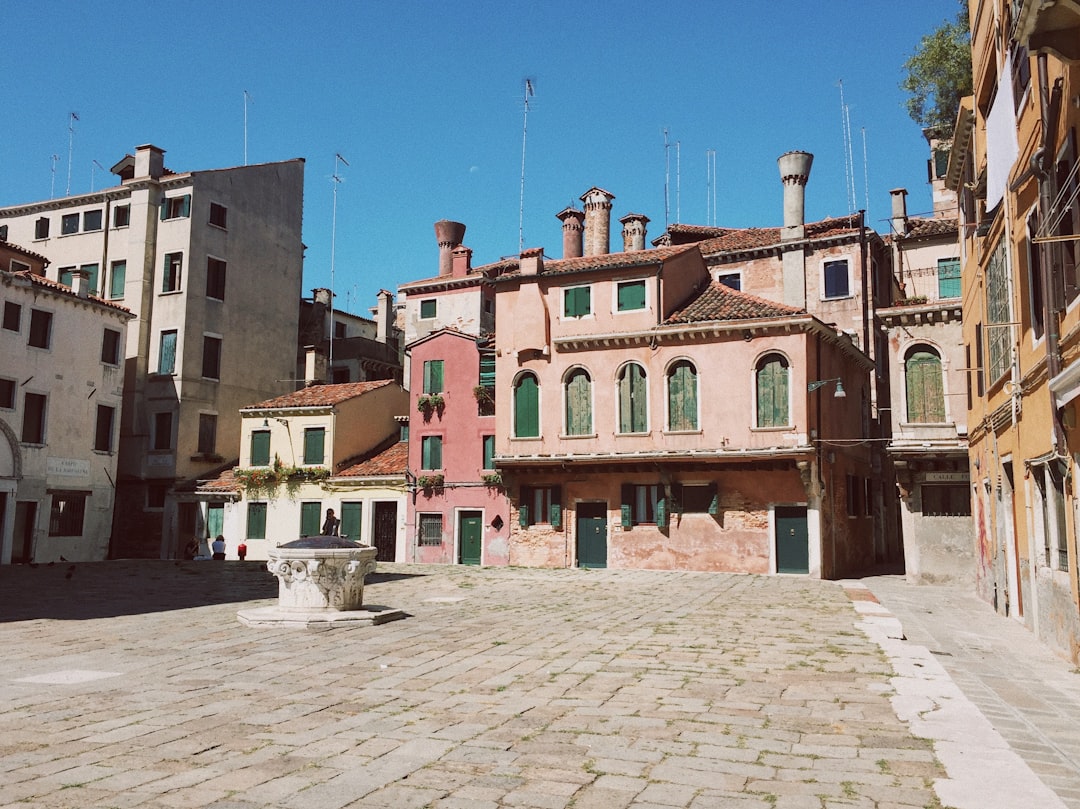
(949, 278)
(631, 295)
(925, 393)
(164, 208)
(260, 448)
(555, 509)
(626, 509)
(633, 416)
(487, 370)
(309, 519)
(314, 443)
(489, 452)
(772, 393)
(579, 404)
(682, 397)
(185, 205)
(714, 503)
(351, 519)
(527, 407)
(256, 521)
(523, 508)
(215, 519)
(662, 512)
(431, 452)
(433, 376)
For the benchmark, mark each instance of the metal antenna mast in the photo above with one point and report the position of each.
(72, 118)
(866, 171)
(247, 100)
(52, 171)
(93, 169)
(333, 249)
(849, 165)
(710, 187)
(667, 181)
(678, 181)
(524, 131)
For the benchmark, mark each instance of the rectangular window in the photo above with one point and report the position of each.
(117, 279)
(207, 433)
(66, 514)
(163, 430)
(339, 330)
(66, 276)
(256, 521)
(998, 314)
(489, 452)
(7, 394)
(643, 504)
(314, 444)
(309, 519)
(218, 215)
(41, 228)
(92, 220)
(428, 308)
(540, 505)
(485, 393)
(431, 451)
(697, 498)
(211, 358)
(176, 207)
(433, 376)
(121, 216)
(91, 271)
(945, 500)
(577, 301)
(351, 513)
(260, 448)
(430, 529)
(170, 276)
(630, 295)
(732, 280)
(836, 279)
(103, 434)
(155, 495)
(69, 223)
(167, 352)
(948, 277)
(16, 265)
(33, 426)
(12, 316)
(215, 279)
(40, 329)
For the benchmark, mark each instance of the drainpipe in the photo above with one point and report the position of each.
(1042, 164)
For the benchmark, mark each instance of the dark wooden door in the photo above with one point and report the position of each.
(792, 540)
(385, 528)
(592, 534)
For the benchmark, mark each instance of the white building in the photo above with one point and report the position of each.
(210, 262)
(61, 387)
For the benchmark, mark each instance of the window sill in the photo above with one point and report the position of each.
(106, 452)
(839, 298)
(697, 431)
(633, 435)
(171, 292)
(577, 436)
(33, 444)
(783, 428)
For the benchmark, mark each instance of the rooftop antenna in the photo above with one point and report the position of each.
(866, 170)
(248, 100)
(333, 249)
(524, 131)
(93, 169)
(72, 118)
(710, 187)
(849, 166)
(667, 179)
(52, 182)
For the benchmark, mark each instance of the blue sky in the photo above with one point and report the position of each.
(426, 103)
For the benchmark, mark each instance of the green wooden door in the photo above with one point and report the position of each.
(792, 540)
(351, 515)
(592, 535)
(470, 533)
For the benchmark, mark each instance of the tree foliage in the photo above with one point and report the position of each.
(939, 75)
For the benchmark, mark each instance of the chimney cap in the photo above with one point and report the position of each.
(594, 192)
(634, 217)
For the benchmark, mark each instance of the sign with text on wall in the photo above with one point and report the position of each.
(67, 467)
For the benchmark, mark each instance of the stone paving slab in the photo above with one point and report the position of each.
(499, 688)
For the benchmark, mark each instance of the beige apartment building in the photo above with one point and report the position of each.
(210, 263)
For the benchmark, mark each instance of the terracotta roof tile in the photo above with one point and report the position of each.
(720, 302)
(392, 461)
(64, 289)
(320, 395)
(607, 261)
(922, 228)
(732, 240)
(225, 482)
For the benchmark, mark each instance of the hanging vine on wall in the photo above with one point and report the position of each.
(265, 480)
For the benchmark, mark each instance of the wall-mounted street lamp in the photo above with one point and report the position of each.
(840, 392)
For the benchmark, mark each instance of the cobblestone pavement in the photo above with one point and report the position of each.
(131, 684)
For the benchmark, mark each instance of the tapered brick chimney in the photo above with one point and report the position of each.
(573, 229)
(633, 232)
(449, 235)
(597, 221)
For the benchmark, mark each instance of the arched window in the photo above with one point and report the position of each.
(771, 379)
(682, 396)
(527, 406)
(925, 388)
(633, 400)
(579, 403)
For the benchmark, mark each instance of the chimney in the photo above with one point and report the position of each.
(384, 316)
(449, 235)
(633, 232)
(573, 228)
(532, 261)
(321, 295)
(899, 211)
(149, 161)
(794, 172)
(80, 282)
(460, 261)
(597, 221)
(314, 367)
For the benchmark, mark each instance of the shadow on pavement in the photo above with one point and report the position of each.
(86, 590)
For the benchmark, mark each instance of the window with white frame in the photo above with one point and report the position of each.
(835, 279)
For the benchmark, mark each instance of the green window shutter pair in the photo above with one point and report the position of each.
(772, 393)
(579, 404)
(577, 301)
(527, 407)
(487, 370)
(185, 206)
(350, 520)
(256, 521)
(631, 296)
(633, 416)
(949, 278)
(433, 376)
(314, 445)
(431, 452)
(925, 392)
(682, 397)
(260, 448)
(309, 519)
(117, 279)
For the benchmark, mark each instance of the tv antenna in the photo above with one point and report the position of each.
(529, 93)
(72, 118)
(667, 179)
(93, 169)
(710, 187)
(52, 171)
(678, 181)
(849, 165)
(247, 101)
(336, 178)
